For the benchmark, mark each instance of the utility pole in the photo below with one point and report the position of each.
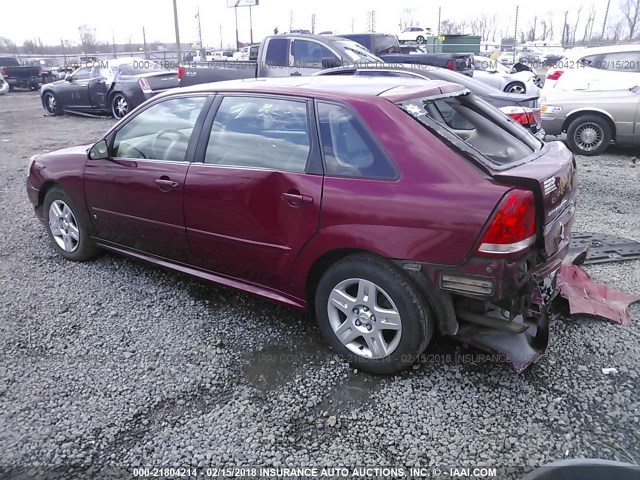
(515, 34)
(237, 34)
(439, 19)
(291, 22)
(177, 28)
(221, 47)
(250, 25)
(113, 42)
(203, 54)
(604, 23)
(313, 23)
(352, 26)
(144, 43)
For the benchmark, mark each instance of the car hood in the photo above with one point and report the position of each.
(65, 152)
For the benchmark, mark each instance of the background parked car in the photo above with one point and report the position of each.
(18, 75)
(511, 80)
(593, 119)
(524, 109)
(415, 34)
(4, 86)
(115, 86)
(376, 43)
(597, 68)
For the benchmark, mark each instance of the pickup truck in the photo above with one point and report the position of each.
(282, 56)
(19, 76)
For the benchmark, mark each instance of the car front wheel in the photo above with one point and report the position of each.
(515, 87)
(588, 135)
(51, 104)
(420, 39)
(66, 227)
(120, 105)
(373, 314)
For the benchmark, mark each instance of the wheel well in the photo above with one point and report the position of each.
(573, 116)
(321, 265)
(44, 189)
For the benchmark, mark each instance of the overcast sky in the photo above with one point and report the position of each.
(53, 21)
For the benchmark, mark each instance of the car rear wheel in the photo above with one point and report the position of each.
(420, 39)
(589, 135)
(373, 314)
(120, 105)
(51, 104)
(67, 227)
(515, 87)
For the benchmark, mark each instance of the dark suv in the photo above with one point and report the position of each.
(376, 43)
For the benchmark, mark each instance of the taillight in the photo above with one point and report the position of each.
(181, 72)
(522, 115)
(144, 85)
(554, 74)
(451, 65)
(5, 72)
(513, 227)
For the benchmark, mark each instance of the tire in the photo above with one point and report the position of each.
(420, 39)
(11, 88)
(516, 87)
(589, 135)
(354, 314)
(67, 227)
(120, 105)
(51, 104)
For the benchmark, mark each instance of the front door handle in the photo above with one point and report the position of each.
(295, 198)
(165, 183)
(296, 74)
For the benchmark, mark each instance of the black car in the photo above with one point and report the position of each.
(107, 86)
(376, 43)
(524, 109)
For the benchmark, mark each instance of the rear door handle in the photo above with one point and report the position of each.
(295, 199)
(165, 183)
(296, 74)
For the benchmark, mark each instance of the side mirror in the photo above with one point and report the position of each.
(68, 77)
(99, 151)
(331, 62)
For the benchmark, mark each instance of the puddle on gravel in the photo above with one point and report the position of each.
(274, 365)
(355, 390)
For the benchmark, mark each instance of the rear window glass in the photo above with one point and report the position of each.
(473, 126)
(137, 68)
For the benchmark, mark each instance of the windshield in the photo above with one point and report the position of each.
(356, 52)
(474, 127)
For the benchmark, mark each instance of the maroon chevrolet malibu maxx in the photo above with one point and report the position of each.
(392, 207)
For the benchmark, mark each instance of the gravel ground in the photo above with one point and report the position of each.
(115, 362)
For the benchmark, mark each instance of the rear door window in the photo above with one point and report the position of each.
(473, 126)
(385, 44)
(620, 62)
(277, 52)
(260, 132)
(348, 147)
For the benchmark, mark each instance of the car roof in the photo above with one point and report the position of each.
(628, 47)
(392, 88)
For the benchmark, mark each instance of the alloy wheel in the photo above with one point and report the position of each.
(588, 136)
(120, 106)
(364, 318)
(50, 103)
(516, 89)
(64, 226)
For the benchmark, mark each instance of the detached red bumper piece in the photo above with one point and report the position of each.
(586, 297)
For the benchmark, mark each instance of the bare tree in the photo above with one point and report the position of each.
(7, 45)
(631, 12)
(29, 46)
(531, 34)
(588, 27)
(87, 37)
(408, 18)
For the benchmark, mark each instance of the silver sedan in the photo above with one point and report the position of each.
(593, 119)
(507, 79)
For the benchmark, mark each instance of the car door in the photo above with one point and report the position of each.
(306, 56)
(136, 196)
(253, 199)
(75, 92)
(98, 87)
